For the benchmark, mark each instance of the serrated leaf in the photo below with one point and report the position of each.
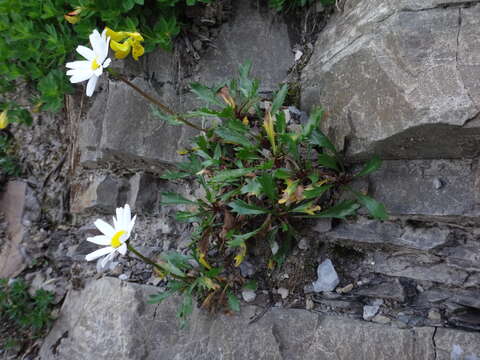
(319, 138)
(327, 161)
(170, 198)
(228, 175)
(251, 285)
(185, 309)
(269, 187)
(313, 122)
(372, 165)
(242, 208)
(205, 93)
(232, 136)
(233, 302)
(159, 297)
(340, 211)
(282, 174)
(251, 187)
(279, 99)
(173, 175)
(239, 240)
(316, 191)
(375, 208)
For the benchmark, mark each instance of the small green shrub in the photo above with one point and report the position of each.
(262, 177)
(23, 318)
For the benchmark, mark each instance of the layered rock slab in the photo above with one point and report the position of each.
(399, 78)
(110, 319)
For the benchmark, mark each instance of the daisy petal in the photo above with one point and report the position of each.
(87, 53)
(91, 86)
(98, 71)
(100, 240)
(80, 64)
(127, 216)
(106, 259)
(80, 76)
(106, 62)
(122, 249)
(98, 253)
(132, 224)
(105, 228)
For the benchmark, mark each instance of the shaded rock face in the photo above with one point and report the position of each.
(137, 330)
(399, 78)
(120, 127)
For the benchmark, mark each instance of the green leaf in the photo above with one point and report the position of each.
(319, 138)
(159, 297)
(376, 209)
(169, 198)
(327, 161)
(233, 136)
(240, 239)
(316, 192)
(173, 175)
(282, 174)
(228, 175)
(372, 165)
(185, 309)
(340, 211)
(279, 99)
(171, 268)
(251, 187)
(251, 285)
(268, 185)
(205, 93)
(242, 208)
(169, 119)
(313, 122)
(233, 302)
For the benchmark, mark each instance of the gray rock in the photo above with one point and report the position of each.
(111, 319)
(247, 269)
(369, 311)
(253, 34)
(99, 192)
(120, 128)
(459, 345)
(419, 267)
(375, 232)
(381, 319)
(327, 277)
(405, 187)
(399, 78)
(388, 289)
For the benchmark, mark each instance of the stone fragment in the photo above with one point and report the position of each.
(283, 292)
(247, 269)
(99, 192)
(381, 319)
(388, 289)
(248, 295)
(327, 277)
(397, 81)
(20, 208)
(419, 267)
(434, 314)
(322, 225)
(369, 311)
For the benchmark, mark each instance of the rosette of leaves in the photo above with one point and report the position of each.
(261, 175)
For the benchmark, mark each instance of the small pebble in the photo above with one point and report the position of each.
(309, 304)
(369, 311)
(303, 244)
(248, 295)
(283, 292)
(123, 277)
(437, 183)
(345, 289)
(434, 315)
(380, 319)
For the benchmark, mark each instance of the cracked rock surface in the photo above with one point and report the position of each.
(137, 330)
(399, 78)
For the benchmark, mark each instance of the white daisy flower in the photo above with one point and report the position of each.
(97, 60)
(113, 238)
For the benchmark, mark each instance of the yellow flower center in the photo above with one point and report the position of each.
(95, 64)
(116, 239)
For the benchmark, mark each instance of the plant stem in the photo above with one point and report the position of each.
(144, 258)
(163, 107)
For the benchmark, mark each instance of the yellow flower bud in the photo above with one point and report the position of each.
(3, 120)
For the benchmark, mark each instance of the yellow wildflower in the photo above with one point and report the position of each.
(3, 120)
(131, 42)
(241, 255)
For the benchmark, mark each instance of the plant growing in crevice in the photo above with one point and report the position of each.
(262, 175)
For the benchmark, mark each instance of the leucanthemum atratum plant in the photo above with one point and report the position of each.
(263, 175)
